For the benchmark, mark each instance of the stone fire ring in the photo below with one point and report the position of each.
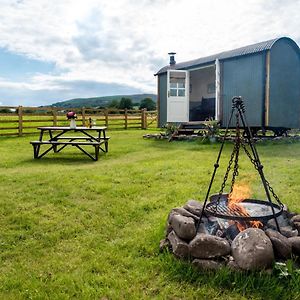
(214, 245)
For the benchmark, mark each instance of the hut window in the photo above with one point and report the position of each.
(177, 84)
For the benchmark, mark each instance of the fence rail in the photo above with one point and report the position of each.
(20, 120)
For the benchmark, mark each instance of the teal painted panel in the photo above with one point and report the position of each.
(284, 85)
(243, 76)
(163, 99)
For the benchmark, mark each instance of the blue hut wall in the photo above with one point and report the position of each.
(284, 107)
(243, 76)
(162, 94)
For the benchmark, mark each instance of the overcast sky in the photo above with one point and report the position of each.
(61, 49)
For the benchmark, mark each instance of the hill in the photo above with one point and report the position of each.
(102, 101)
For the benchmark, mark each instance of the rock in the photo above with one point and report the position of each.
(206, 264)
(194, 206)
(164, 245)
(180, 248)
(297, 226)
(284, 225)
(202, 228)
(207, 227)
(295, 242)
(292, 214)
(288, 231)
(208, 246)
(183, 226)
(281, 245)
(295, 218)
(183, 212)
(232, 265)
(252, 250)
(168, 229)
(282, 220)
(171, 215)
(285, 208)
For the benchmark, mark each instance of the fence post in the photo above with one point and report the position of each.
(83, 115)
(106, 117)
(20, 115)
(54, 114)
(144, 118)
(126, 118)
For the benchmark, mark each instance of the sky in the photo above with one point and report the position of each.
(56, 50)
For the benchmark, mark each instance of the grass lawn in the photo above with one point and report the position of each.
(74, 228)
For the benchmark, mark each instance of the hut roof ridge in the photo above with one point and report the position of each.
(249, 49)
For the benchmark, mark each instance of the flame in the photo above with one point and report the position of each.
(240, 193)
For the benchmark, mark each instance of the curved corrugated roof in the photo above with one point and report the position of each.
(255, 48)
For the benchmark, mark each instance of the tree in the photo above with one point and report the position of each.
(125, 103)
(148, 103)
(5, 111)
(113, 104)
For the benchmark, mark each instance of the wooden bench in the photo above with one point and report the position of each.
(103, 140)
(72, 142)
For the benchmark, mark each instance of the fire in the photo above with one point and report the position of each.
(240, 193)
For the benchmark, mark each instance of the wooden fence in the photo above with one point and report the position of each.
(20, 120)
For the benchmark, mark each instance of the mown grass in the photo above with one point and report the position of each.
(74, 228)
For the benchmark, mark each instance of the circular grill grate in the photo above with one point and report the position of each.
(255, 210)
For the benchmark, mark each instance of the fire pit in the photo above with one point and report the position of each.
(232, 228)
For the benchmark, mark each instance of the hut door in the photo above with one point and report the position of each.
(177, 98)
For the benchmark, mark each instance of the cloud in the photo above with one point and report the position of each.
(124, 42)
(13, 94)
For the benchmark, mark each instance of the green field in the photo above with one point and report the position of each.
(74, 228)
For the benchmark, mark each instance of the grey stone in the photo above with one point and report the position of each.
(281, 245)
(164, 245)
(295, 218)
(295, 242)
(202, 228)
(180, 248)
(208, 246)
(285, 208)
(288, 231)
(282, 221)
(183, 226)
(297, 226)
(168, 229)
(171, 215)
(194, 206)
(183, 212)
(232, 265)
(252, 250)
(292, 214)
(207, 264)
(209, 227)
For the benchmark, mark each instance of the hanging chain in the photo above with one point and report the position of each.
(233, 158)
(273, 193)
(237, 147)
(227, 172)
(256, 166)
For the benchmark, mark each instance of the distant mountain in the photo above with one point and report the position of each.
(102, 101)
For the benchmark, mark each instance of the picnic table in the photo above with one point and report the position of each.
(57, 138)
